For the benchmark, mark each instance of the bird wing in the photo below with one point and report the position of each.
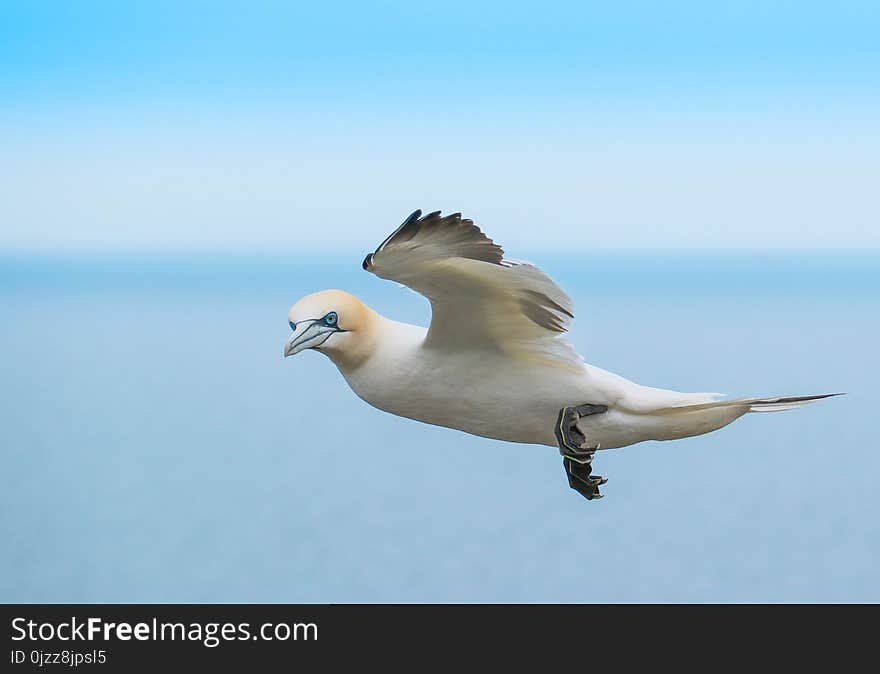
(478, 299)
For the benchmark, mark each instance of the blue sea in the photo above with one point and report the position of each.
(156, 447)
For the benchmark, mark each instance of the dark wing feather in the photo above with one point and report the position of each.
(458, 236)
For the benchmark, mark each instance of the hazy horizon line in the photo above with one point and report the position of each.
(171, 252)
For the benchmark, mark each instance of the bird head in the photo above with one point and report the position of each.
(333, 322)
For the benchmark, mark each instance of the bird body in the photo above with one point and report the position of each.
(493, 362)
(496, 396)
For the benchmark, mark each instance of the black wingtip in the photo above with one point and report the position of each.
(471, 242)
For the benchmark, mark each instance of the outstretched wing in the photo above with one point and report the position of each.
(478, 299)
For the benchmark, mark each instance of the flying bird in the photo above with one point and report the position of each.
(494, 362)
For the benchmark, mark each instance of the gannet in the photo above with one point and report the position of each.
(493, 362)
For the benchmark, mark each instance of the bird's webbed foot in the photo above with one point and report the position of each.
(572, 442)
(576, 451)
(580, 479)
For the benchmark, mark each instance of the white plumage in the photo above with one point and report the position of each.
(493, 362)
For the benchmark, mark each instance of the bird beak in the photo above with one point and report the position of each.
(311, 336)
(290, 347)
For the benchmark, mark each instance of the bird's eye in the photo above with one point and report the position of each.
(331, 318)
(292, 325)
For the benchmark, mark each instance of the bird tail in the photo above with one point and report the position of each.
(699, 413)
(778, 404)
(782, 404)
(689, 419)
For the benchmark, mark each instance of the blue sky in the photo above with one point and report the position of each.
(620, 125)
